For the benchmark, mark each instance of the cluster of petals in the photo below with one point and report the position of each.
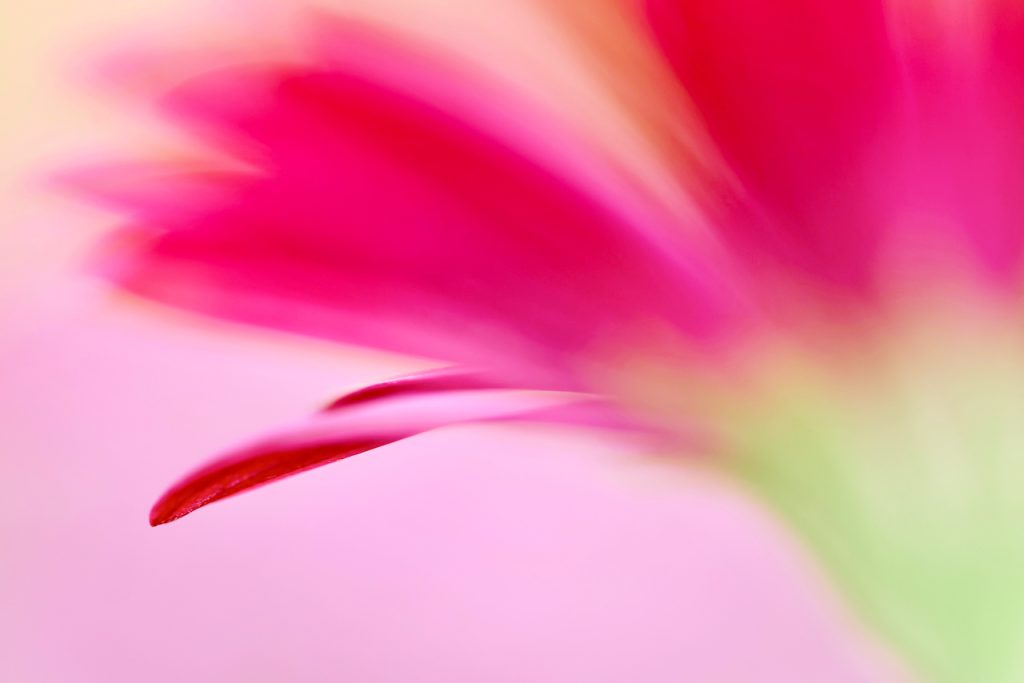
(383, 195)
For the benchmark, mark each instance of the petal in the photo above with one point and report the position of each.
(443, 379)
(963, 153)
(794, 94)
(367, 419)
(401, 203)
(631, 104)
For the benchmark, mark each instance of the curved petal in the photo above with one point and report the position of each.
(443, 379)
(367, 419)
(398, 202)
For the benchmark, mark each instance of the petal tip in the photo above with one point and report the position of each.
(159, 516)
(165, 511)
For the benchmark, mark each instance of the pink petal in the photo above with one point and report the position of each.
(370, 418)
(443, 379)
(961, 152)
(794, 93)
(403, 204)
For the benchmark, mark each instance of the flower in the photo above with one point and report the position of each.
(825, 306)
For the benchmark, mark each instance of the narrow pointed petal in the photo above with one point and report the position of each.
(370, 418)
(593, 411)
(443, 379)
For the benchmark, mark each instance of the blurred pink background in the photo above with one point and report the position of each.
(473, 554)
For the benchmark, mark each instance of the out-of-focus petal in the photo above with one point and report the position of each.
(794, 94)
(634, 108)
(370, 418)
(960, 152)
(399, 203)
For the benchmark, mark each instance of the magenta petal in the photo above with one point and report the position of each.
(961, 156)
(372, 417)
(443, 379)
(260, 464)
(794, 93)
(398, 209)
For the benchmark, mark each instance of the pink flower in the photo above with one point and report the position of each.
(396, 202)
(855, 170)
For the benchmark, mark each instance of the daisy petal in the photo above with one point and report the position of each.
(370, 418)
(393, 204)
(443, 379)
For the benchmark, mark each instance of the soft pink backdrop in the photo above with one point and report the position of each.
(474, 554)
